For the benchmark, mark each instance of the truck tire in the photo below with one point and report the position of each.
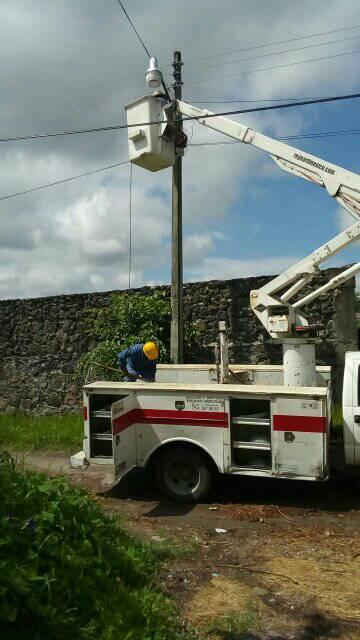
(183, 474)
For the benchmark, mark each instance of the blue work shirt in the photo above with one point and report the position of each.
(134, 362)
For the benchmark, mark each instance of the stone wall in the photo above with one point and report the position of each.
(42, 339)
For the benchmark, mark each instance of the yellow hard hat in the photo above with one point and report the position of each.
(151, 350)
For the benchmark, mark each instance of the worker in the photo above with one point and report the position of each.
(139, 361)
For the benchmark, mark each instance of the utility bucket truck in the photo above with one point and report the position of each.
(264, 420)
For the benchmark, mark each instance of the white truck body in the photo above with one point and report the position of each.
(254, 429)
(351, 408)
(247, 429)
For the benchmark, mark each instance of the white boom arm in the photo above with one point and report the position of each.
(272, 303)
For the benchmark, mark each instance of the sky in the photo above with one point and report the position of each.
(75, 64)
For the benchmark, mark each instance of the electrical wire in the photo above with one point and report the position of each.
(130, 222)
(322, 134)
(134, 29)
(69, 113)
(279, 66)
(52, 184)
(245, 100)
(215, 143)
(304, 136)
(277, 53)
(84, 88)
(166, 89)
(272, 44)
(187, 118)
(118, 77)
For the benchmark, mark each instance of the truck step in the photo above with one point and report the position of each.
(258, 445)
(251, 421)
(102, 436)
(101, 414)
(251, 471)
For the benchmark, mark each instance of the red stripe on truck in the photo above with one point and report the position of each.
(165, 416)
(308, 424)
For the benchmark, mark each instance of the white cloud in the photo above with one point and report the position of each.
(344, 219)
(226, 268)
(198, 245)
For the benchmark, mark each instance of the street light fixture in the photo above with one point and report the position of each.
(153, 75)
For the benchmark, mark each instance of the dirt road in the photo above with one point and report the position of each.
(274, 560)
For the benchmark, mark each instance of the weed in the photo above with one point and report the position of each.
(23, 432)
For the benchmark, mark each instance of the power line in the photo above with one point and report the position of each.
(245, 100)
(287, 105)
(133, 26)
(315, 134)
(279, 66)
(166, 90)
(272, 44)
(69, 113)
(97, 84)
(57, 134)
(118, 77)
(322, 134)
(277, 53)
(319, 134)
(215, 143)
(52, 184)
(74, 112)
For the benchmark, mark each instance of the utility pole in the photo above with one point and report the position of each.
(177, 328)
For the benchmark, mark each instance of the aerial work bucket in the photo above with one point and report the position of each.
(147, 146)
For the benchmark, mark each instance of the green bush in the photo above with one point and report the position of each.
(68, 570)
(131, 319)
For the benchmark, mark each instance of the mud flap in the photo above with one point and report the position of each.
(123, 429)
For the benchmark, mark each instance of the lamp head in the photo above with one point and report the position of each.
(153, 75)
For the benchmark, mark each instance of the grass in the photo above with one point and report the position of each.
(234, 625)
(178, 550)
(68, 570)
(23, 432)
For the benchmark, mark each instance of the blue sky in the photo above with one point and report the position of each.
(75, 65)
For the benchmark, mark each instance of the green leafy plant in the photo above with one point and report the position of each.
(68, 570)
(126, 320)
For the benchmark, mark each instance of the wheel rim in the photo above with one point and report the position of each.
(181, 476)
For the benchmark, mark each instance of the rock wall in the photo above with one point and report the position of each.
(42, 339)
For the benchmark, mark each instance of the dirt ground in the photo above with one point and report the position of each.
(280, 558)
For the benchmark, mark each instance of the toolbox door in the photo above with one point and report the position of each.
(123, 429)
(300, 438)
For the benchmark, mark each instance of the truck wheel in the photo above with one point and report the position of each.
(183, 474)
